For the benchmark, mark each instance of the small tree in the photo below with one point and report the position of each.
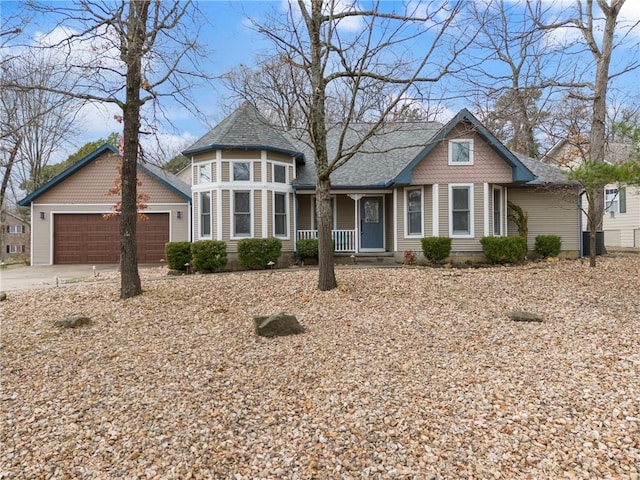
(519, 217)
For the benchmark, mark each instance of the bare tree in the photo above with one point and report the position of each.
(600, 30)
(386, 56)
(505, 73)
(131, 54)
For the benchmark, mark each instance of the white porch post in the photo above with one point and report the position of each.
(435, 206)
(356, 199)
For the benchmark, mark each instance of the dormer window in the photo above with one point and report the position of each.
(461, 152)
(241, 171)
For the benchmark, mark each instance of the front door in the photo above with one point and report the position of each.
(371, 224)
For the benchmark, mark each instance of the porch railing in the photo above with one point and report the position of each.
(343, 240)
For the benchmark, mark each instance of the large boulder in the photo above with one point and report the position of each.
(521, 316)
(277, 325)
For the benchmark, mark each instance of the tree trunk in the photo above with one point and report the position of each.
(130, 284)
(326, 272)
(592, 221)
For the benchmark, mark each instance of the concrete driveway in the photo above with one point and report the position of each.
(46, 276)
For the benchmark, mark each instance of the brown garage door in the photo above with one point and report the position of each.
(89, 238)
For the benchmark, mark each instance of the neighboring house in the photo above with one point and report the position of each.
(413, 180)
(184, 174)
(67, 213)
(621, 222)
(15, 234)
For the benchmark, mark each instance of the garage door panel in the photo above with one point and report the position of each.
(92, 239)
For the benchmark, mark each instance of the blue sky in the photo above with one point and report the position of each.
(231, 42)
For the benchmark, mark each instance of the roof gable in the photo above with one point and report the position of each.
(167, 180)
(520, 173)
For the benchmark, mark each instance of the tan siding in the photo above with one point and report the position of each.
(550, 213)
(214, 215)
(196, 216)
(256, 216)
(414, 243)
(269, 172)
(280, 158)
(443, 210)
(619, 229)
(226, 166)
(345, 213)
(257, 172)
(487, 164)
(388, 224)
(226, 217)
(241, 155)
(304, 212)
(427, 205)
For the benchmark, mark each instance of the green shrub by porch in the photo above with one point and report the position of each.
(436, 249)
(209, 255)
(307, 249)
(256, 253)
(177, 254)
(504, 249)
(548, 245)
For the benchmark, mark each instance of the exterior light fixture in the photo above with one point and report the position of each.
(41, 215)
(179, 214)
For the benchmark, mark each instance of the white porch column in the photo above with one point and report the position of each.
(356, 199)
(485, 194)
(395, 219)
(435, 209)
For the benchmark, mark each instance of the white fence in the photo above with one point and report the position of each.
(343, 240)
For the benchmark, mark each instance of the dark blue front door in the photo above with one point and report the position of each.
(371, 223)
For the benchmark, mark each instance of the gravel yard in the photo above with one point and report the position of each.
(411, 373)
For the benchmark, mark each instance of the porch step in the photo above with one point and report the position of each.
(379, 258)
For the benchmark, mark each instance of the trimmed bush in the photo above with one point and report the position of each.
(256, 253)
(548, 245)
(436, 249)
(177, 254)
(209, 255)
(504, 249)
(307, 249)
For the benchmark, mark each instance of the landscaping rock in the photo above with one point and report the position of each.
(277, 325)
(72, 321)
(3, 296)
(518, 316)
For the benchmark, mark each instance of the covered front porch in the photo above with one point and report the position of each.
(362, 221)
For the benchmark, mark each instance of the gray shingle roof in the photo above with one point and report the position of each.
(546, 174)
(168, 178)
(244, 129)
(380, 160)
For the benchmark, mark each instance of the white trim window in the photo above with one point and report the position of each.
(241, 171)
(241, 214)
(15, 249)
(205, 214)
(461, 210)
(611, 200)
(280, 217)
(16, 229)
(414, 223)
(204, 173)
(497, 211)
(279, 173)
(461, 151)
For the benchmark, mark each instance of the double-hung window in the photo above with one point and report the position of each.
(461, 210)
(461, 152)
(280, 214)
(205, 214)
(414, 212)
(15, 229)
(497, 212)
(241, 214)
(611, 200)
(241, 171)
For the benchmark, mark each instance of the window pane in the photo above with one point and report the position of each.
(242, 224)
(415, 227)
(279, 203)
(205, 202)
(414, 200)
(205, 214)
(241, 171)
(460, 198)
(241, 202)
(205, 173)
(460, 222)
(279, 174)
(280, 225)
(460, 152)
(371, 211)
(497, 212)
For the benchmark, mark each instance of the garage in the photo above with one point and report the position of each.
(89, 238)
